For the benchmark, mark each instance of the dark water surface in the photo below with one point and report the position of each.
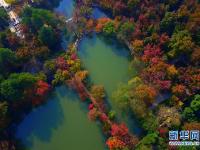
(61, 124)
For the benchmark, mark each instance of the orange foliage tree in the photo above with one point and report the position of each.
(114, 143)
(145, 93)
(101, 22)
(191, 126)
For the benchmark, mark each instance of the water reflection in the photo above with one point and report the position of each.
(98, 13)
(66, 8)
(61, 123)
(41, 122)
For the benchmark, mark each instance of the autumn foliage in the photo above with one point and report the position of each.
(115, 143)
(119, 130)
(42, 88)
(101, 22)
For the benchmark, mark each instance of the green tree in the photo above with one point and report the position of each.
(181, 43)
(98, 92)
(14, 87)
(50, 66)
(195, 104)
(85, 10)
(35, 18)
(3, 114)
(59, 77)
(109, 29)
(47, 36)
(122, 96)
(189, 114)
(133, 3)
(138, 107)
(4, 19)
(3, 109)
(147, 141)
(3, 39)
(126, 29)
(162, 143)
(168, 23)
(112, 114)
(150, 122)
(7, 60)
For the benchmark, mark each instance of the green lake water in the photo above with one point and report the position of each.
(108, 65)
(61, 124)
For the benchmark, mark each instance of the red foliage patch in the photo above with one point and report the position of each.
(42, 88)
(61, 63)
(115, 143)
(103, 117)
(91, 106)
(151, 51)
(119, 130)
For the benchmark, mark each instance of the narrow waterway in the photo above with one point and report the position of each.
(66, 8)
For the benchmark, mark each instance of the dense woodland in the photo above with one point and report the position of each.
(164, 41)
